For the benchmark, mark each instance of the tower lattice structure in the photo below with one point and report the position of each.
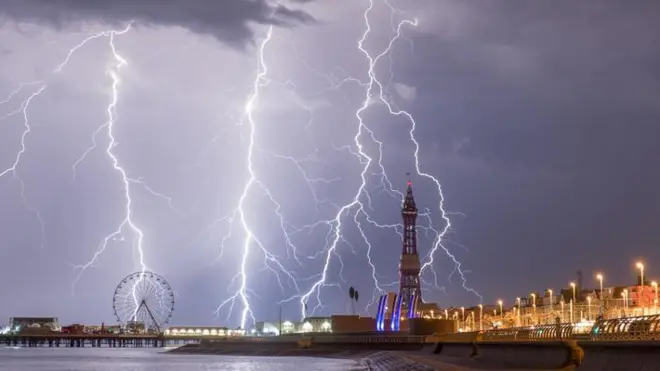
(409, 265)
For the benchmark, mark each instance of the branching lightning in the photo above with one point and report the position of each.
(107, 128)
(271, 261)
(359, 207)
(127, 222)
(358, 211)
(27, 129)
(438, 243)
(375, 90)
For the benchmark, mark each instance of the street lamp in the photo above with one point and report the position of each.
(551, 298)
(655, 301)
(574, 299)
(574, 291)
(481, 317)
(599, 277)
(501, 307)
(534, 307)
(640, 266)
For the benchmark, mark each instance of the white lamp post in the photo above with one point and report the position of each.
(655, 300)
(574, 300)
(599, 277)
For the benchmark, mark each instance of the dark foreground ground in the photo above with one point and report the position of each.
(376, 360)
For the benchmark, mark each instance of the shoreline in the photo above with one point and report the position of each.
(290, 351)
(365, 359)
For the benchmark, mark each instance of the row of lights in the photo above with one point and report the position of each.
(600, 278)
(204, 332)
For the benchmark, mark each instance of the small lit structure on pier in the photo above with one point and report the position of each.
(17, 324)
(201, 331)
(307, 325)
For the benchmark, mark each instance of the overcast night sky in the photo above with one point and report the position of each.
(541, 120)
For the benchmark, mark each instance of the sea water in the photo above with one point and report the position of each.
(145, 359)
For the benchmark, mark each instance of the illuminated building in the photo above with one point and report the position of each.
(200, 331)
(317, 324)
(309, 324)
(34, 323)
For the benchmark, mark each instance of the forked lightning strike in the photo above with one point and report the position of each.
(438, 243)
(271, 261)
(127, 222)
(356, 210)
(360, 204)
(376, 90)
(27, 129)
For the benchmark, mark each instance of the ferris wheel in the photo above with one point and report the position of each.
(143, 299)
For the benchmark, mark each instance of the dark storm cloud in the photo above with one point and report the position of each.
(561, 105)
(228, 21)
(556, 79)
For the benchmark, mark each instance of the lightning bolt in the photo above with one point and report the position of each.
(355, 212)
(271, 261)
(127, 223)
(24, 106)
(27, 129)
(376, 91)
(438, 243)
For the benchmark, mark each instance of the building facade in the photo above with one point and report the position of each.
(25, 323)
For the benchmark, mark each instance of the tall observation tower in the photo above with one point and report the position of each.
(409, 266)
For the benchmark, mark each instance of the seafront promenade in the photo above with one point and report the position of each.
(631, 343)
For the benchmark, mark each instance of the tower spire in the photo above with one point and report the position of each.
(409, 266)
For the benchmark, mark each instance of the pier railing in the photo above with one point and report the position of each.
(642, 328)
(532, 333)
(627, 328)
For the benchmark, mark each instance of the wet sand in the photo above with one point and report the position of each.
(376, 360)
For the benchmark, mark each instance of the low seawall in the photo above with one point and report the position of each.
(546, 355)
(620, 356)
(519, 354)
(584, 355)
(323, 346)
